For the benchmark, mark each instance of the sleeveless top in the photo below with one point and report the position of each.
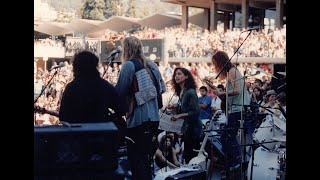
(235, 102)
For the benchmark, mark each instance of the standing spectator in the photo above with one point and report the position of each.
(204, 105)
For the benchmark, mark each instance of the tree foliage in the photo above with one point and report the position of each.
(93, 9)
(113, 8)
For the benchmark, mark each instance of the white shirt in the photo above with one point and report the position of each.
(216, 102)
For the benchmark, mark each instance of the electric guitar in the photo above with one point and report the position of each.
(200, 159)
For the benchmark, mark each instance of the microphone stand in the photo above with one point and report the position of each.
(226, 66)
(55, 73)
(243, 130)
(36, 100)
(109, 63)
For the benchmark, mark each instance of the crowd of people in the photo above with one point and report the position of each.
(195, 42)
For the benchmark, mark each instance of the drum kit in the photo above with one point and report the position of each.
(268, 161)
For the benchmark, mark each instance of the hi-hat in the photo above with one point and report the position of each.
(282, 73)
(262, 71)
(279, 138)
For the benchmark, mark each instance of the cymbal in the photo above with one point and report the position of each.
(261, 71)
(279, 138)
(282, 73)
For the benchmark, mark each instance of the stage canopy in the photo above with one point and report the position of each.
(53, 28)
(84, 25)
(119, 23)
(161, 20)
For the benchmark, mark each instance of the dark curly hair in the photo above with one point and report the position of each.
(189, 82)
(85, 65)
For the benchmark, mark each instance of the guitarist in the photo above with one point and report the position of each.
(235, 86)
(88, 97)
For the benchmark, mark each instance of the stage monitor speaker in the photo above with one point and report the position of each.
(189, 175)
(82, 149)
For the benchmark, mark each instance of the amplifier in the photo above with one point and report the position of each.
(189, 175)
(84, 148)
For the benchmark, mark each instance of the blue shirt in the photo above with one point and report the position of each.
(205, 113)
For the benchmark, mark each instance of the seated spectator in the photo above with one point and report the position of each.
(166, 155)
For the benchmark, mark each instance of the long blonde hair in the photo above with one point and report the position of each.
(132, 48)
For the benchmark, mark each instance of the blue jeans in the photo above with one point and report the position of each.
(229, 141)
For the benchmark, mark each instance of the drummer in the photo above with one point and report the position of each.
(271, 107)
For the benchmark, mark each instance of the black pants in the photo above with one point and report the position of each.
(190, 142)
(140, 153)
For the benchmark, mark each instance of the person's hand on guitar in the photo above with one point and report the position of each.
(215, 90)
(209, 83)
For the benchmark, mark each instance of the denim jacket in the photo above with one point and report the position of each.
(146, 112)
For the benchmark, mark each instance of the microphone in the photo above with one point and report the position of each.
(251, 29)
(57, 67)
(113, 53)
(257, 72)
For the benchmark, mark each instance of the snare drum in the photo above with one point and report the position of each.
(265, 165)
(270, 127)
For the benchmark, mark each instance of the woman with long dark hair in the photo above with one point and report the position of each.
(188, 109)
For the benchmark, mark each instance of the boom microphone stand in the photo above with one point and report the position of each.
(44, 88)
(36, 100)
(227, 68)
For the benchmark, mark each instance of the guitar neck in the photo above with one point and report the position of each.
(207, 134)
(45, 111)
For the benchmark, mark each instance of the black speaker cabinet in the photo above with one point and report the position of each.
(77, 149)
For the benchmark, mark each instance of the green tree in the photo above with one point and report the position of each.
(131, 11)
(93, 9)
(113, 8)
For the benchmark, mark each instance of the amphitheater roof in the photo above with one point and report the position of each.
(161, 20)
(53, 28)
(119, 23)
(83, 25)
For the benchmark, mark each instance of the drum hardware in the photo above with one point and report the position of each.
(282, 73)
(261, 71)
(253, 147)
(279, 138)
(263, 165)
(277, 129)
